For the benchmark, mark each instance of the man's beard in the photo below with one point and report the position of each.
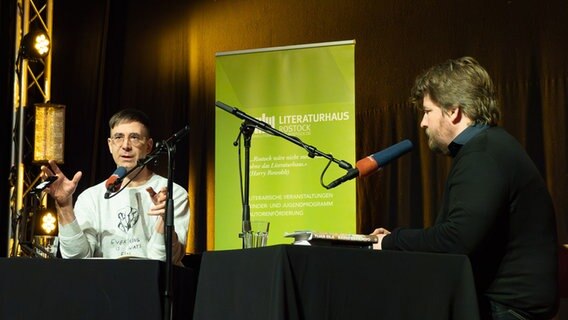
(436, 145)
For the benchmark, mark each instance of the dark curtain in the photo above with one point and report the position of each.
(159, 56)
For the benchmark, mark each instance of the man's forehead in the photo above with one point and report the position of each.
(427, 102)
(128, 127)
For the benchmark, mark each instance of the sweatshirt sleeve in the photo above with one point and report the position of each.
(78, 238)
(475, 194)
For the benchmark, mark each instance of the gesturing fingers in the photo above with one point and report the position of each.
(152, 193)
(157, 197)
(158, 209)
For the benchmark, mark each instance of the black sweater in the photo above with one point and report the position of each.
(497, 210)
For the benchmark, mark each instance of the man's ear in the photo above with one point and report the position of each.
(455, 115)
(150, 143)
(109, 141)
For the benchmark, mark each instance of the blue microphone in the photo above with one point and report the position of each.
(374, 162)
(114, 182)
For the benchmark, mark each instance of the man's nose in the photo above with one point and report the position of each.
(424, 122)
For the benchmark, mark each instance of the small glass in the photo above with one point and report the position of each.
(257, 236)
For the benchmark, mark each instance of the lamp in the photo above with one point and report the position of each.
(35, 45)
(49, 139)
(45, 223)
(45, 239)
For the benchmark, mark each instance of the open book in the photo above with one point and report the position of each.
(312, 238)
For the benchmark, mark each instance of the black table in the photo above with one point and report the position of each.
(303, 282)
(91, 289)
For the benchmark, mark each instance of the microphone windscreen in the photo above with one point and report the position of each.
(366, 166)
(119, 173)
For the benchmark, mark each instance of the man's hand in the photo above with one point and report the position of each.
(159, 207)
(61, 190)
(380, 233)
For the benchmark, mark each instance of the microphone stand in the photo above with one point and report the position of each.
(312, 151)
(247, 129)
(169, 229)
(169, 146)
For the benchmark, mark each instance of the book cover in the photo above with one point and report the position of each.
(313, 238)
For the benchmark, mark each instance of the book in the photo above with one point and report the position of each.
(312, 238)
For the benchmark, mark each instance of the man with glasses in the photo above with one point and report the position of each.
(130, 223)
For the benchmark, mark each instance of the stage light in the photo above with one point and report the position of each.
(49, 139)
(35, 45)
(46, 223)
(45, 238)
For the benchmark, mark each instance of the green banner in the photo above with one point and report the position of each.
(308, 93)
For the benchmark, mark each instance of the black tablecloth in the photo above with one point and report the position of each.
(303, 282)
(91, 289)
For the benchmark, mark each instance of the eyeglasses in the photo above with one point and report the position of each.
(135, 139)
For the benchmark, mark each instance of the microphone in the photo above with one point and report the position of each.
(176, 137)
(227, 108)
(239, 114)
(374, 162)
(172, 140)
(114, 181)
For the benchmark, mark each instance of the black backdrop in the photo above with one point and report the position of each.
(160, 56)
